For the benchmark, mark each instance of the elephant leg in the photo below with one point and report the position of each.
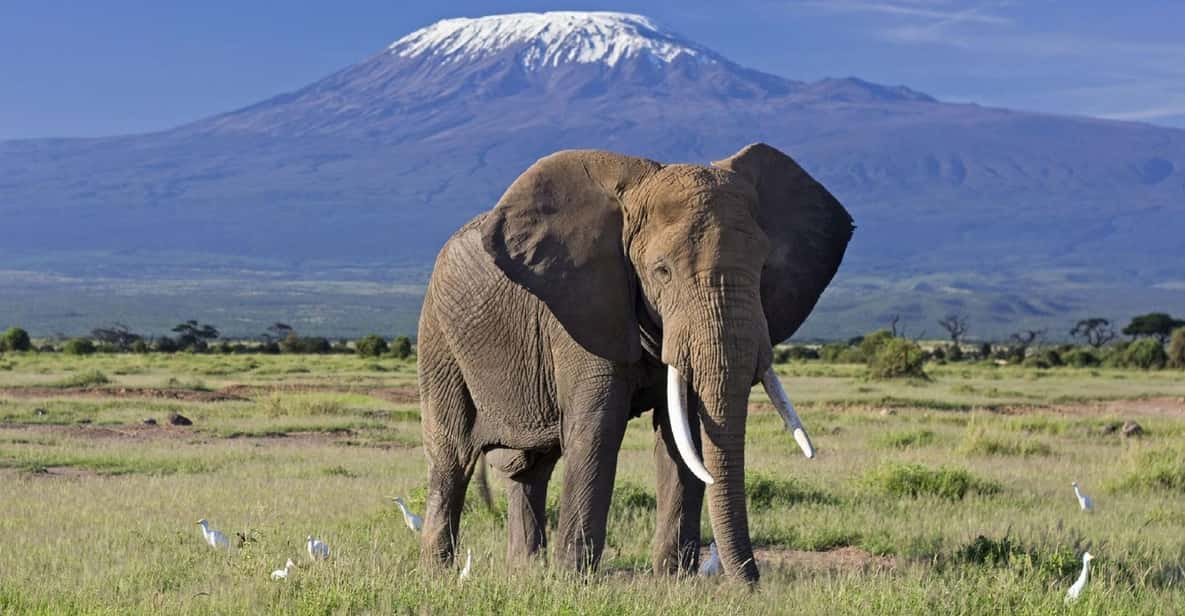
(447, 414)
(592, 440)
(680, 501)
(526, 514)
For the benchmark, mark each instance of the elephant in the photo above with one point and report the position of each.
(599, 287)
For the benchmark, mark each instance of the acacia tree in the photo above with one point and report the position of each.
(1022, 340)
(955, 326)
(1094, 331)
(193, 335)
(1158, 325)
(118, 336)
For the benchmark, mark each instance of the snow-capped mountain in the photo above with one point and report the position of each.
(549, 39)
(379, 161)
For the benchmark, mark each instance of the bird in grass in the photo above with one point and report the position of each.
(412, 520)
(213, 537)
(468, 564)
(1076, 589)
(282, 574)
(712, 566)
(318, 550)
(1084, 501)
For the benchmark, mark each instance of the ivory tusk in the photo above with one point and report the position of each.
(777, 395)
(677, 412)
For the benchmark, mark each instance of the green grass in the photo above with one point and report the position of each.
(974, 520)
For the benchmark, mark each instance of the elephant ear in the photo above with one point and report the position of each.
(809, 230)
(557, 232)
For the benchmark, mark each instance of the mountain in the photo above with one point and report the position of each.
(1017, 218)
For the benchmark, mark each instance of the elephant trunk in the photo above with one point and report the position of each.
(725, 356)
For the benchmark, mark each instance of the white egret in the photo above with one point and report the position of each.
(468, 564)
(1076, 589)
(213, 537)
(1084, 501)
(318, 550)
(282, 574)
(412, 520)
(712, 566)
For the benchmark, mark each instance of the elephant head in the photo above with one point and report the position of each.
(724, 260)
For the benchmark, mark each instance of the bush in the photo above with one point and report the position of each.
(1081, 358)
(985, 350)
(766, 492)
(1176, 352)
(372, 346)
(914, 480)
(954, 353)
(784, 354)
(1157, 469)
(79, 346)
(139, 346)
(1146, 354)
(897, 358)
(906, 439)
(977, 442)
(401, 347)
(873, 342)
(165, 344)
(296, 344)
(15, 339)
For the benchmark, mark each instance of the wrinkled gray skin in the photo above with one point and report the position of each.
(550, 320)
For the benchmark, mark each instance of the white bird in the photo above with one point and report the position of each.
(282, 574)
(412, 520)
(712, 566)
(215, 538)
(1084, 501)
(1076, 589)
(468, 564)
(318, 550)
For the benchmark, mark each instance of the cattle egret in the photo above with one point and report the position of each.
(712, 566)
(318, 550)
(1084, 501)
(468, 564)
(412, 520)
(282, 574)
(215, 538)
(1076, 589)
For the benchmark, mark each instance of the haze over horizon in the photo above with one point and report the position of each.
(125, 68)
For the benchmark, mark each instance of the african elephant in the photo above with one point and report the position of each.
(601, 286)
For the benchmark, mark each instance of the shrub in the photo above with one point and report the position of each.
(15, 339)
(78, 346)
(985, 350)
(914, 480)
(401, 347)
(1081, 358)
(1177, 349)
(1146, 354)
(897, 358)
(872, 343)
(954, 353)
(372, 346)
(766, 492)
(294, 343)
(628, 496)
(139, 346)
(783, 354)
(977, 442)
(89, 378)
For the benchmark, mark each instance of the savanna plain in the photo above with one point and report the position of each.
(945, 496)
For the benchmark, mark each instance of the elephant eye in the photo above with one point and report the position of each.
(662, 273)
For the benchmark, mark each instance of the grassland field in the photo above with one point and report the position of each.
(947, 496)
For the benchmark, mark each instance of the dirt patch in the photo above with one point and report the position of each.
(398, 395)
(130, 432)
(184, 395)
(1146, 407)
(840, 559)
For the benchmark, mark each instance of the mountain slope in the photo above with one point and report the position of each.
(378, 162)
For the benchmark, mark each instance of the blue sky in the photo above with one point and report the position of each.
(118, 66)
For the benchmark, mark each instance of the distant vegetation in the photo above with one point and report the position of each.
(1157, 342)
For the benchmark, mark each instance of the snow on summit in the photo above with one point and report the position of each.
(549, 39)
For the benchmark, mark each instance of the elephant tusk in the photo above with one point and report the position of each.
(777, 395)
(677, 412)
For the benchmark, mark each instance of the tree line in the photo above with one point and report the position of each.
(193, 336)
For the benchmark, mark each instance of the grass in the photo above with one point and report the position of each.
(973, 522)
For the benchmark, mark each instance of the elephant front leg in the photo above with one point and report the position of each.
(592, 440)
(680, 501)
